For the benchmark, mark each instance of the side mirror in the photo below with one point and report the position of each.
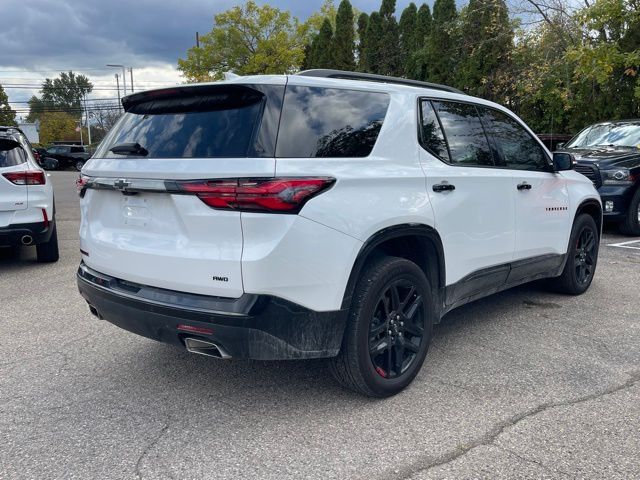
(559, 145)
(563, 161)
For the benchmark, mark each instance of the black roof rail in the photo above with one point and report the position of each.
(371, 77)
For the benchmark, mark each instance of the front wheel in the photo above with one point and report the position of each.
(582, 258)
(631, 224)
(389, 329)
(79, 165)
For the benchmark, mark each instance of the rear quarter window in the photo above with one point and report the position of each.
(329, 122)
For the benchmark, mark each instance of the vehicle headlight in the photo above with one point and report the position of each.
(621, 176)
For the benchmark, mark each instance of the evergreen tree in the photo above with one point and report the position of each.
(321, 47)
(343, 41)
(374, 43)
(417, 62)
(408, 40)
(307, 61)
(441, 51)
(7, 114)
(390, 43)
(423, 25)
(486, 48)
(363, 21)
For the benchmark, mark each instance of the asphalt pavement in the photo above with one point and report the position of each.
(523, 384)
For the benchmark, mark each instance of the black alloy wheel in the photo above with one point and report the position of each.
(396, 329)
(585, 255)
(388, 330)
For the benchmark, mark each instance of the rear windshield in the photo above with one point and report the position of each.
(215, 124)
(11, 155)
(330, 122)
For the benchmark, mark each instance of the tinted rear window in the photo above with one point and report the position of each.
(220, 122)
(329, 122)
(11, 156)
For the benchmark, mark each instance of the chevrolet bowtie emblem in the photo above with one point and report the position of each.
(121, 184)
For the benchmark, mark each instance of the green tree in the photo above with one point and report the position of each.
(63, 93)
(408, 40)
(321, 56)
(372, 53)
(57, 126)
(441, 50)
(363, 21)
(343, 42)
(417, 62)
(486, 49)
(7, 114)
(327, 10)
(247, 40)
(390, 54)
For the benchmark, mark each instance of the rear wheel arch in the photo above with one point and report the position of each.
(418, 243)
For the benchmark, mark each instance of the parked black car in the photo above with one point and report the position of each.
(64, 156)
(609, 154)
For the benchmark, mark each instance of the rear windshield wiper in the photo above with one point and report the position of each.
(129, 149)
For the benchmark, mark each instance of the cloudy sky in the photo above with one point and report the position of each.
(39, 38)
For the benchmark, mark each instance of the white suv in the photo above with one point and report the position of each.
(26, 198)
(324, 214)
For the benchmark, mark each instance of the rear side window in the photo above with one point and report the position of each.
(209, 122)
(330, 122)
(464, 133)
(10, 156)
(431, 135)
(77, 149)
(517, 149)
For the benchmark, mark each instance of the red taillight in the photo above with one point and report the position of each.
(285, 195)
(81, 181)
(30, 177)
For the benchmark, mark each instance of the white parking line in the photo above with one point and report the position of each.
(626, 244)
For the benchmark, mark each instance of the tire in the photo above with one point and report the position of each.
(371, 324)
(631, 224)
(79, 164)
(48, 252)
(582, 258)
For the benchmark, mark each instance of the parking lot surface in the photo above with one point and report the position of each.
(525, 384)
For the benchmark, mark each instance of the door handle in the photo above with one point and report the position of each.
(443, 187)
(524, 186)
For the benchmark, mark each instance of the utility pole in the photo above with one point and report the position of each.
(118, 89)
(124, 76)
(131, 73)
(88, 119)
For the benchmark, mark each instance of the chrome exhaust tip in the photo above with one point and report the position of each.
(202, 347)
(26, 239)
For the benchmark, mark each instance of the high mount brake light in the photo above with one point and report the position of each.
(278, 195)
(29, 177)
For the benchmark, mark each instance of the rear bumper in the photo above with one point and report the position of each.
(258, 327)
(12, 235)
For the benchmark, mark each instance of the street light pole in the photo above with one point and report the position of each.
(124, 75)
(131, 73)
(118, 89)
